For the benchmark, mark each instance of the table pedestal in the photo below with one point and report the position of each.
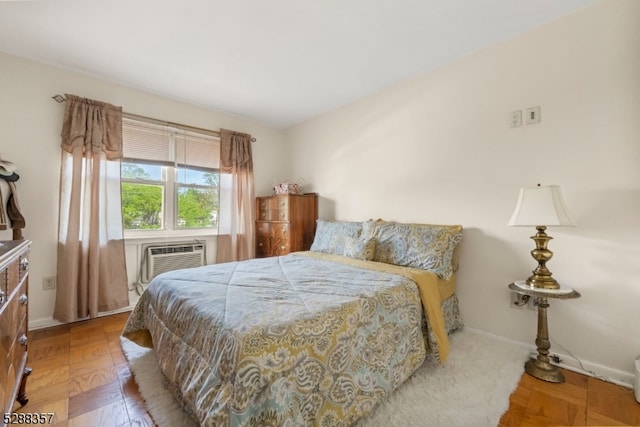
(540, 367)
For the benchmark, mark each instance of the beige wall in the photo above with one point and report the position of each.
(30, 124)
(438, 149)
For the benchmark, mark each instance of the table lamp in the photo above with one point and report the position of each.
(541, 206)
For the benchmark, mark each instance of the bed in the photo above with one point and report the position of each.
(313, 338)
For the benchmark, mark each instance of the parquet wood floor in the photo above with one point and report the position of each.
(81, 375)
(580, 401)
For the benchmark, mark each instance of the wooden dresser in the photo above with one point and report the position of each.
(14, 269)
(285, 223)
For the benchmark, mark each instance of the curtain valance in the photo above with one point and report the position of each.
(235, 151)
(94, 125)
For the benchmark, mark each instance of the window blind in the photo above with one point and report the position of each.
(157, 143)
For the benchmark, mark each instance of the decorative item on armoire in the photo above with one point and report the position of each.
(288, 187)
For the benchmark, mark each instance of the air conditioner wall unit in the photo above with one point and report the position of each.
(161, 258)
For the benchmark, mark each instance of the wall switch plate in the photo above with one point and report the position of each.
(48, 283)
(516, 118)
(532, 115)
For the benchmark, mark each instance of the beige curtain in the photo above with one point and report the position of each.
(236, 233)
(91, 275)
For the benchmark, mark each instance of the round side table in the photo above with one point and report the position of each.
(540, 367)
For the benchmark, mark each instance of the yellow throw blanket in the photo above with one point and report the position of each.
(433, 290)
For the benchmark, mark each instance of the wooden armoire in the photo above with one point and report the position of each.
(285, 223)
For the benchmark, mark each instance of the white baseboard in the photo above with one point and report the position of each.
(43, 323)
(621, 378)
(50, 321)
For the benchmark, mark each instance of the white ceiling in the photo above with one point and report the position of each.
(278, 62)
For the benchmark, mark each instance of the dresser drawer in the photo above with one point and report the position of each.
(272, 239)
(273, 215)
(23, 268)
(12, 318)
(13, 276)
(17, 356)
(274, 208)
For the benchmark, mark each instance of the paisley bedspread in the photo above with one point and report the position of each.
(297, 340)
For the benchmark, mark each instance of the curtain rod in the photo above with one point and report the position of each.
(60, 99)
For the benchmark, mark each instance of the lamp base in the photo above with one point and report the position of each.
(544, 282)
(544, 371)
(541, 277)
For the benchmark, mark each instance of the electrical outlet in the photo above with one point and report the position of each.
(516, 118)
(48, 283)
(523, 301)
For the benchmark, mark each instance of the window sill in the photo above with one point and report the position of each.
(169, 234)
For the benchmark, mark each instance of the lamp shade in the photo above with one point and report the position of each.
(541, 206)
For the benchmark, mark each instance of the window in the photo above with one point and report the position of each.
(169, 177)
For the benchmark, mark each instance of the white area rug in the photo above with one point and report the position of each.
(471, 389)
